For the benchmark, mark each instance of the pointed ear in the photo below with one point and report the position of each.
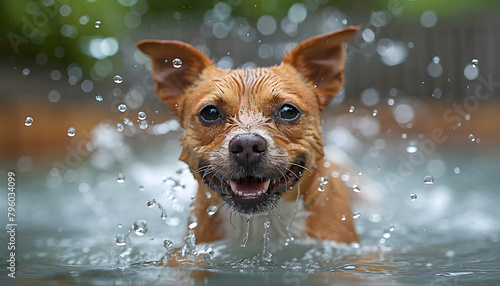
(320, 60)
(173, 77)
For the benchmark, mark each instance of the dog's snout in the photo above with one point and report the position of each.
(247, 149)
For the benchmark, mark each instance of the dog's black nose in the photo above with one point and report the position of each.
(247, 149)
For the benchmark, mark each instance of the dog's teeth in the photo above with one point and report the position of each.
(266, 185)
(233, 186)
(240, 193)
(259, 193)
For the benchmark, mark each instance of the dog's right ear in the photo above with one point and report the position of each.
(176, 66)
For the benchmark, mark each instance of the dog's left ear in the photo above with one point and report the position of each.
(320, 60)
(176, 66)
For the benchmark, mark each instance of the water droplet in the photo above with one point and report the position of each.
(140, 227)
(413, 197)
(118, 78)
(375, 112)
(71, 132)
(141, 115)
(351, 109)
(28, 121)
(120, 178)
(321, 188)
(121, 240)
(127, 121)
(120, 225)
(386, 234)
(456, 170)
(98, 98)
(211, 210)
(119, 127)
(176, 63)
(348, 267)
(151, 203)
(411, 148)
(97, 24)
(474, 62)
(209, 252)
(356, 188)
(122, 108)
(163, 215)
(356, 215)
(343, 218)
(472, 138)
(141, 188)
(392, 228)
(435, 60)
(428, 180)
(167, 244)
(143, 124)
(324, 180)
(192, 221)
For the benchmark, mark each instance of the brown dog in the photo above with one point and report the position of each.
(252, 137)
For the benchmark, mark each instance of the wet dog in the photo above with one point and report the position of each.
(252, 137)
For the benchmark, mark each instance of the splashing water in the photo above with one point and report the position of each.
(290, 238)
(28, 121)
(247, 233)
(266, 253)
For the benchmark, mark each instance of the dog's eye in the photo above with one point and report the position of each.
(209, 113)
(289, 112)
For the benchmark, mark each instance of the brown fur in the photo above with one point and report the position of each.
(309, 77)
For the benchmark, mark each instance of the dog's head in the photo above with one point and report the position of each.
(250, 134)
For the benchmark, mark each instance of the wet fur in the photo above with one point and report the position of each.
(309, 77)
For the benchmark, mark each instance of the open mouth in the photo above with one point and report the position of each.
(253, 195)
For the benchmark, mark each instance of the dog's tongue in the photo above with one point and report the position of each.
(249, 185)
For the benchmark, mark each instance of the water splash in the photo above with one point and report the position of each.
(247, 233)
(290, 237)
(28, 121)
(266, 253)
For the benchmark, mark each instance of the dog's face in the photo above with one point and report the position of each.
(250, 134)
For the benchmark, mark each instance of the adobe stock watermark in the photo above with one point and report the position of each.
(32, 25)
(12, 224)
(454, 116)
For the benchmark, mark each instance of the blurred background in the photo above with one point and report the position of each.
(91, 144)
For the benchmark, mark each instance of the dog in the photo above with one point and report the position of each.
(252, 137)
